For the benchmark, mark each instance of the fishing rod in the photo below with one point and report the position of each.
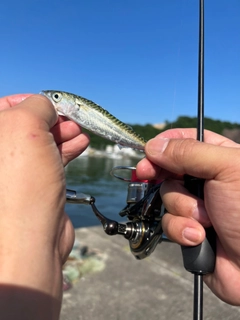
(144, 209)
(200, 259)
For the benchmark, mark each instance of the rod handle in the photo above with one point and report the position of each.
(199, 259)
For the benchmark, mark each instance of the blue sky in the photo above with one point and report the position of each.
(136, 58)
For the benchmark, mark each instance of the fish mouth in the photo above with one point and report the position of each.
(46, 94)
(43, 93)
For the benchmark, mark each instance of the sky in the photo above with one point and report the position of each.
(136, 58)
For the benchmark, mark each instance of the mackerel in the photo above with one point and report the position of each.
(94, 118)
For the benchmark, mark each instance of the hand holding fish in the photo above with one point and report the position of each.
(36, 234)
(174, 153)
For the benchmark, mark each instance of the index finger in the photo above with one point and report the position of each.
(13, 100)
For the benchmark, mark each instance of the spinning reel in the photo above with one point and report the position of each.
(143, 211)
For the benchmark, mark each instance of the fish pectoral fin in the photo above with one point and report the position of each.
(81, 105)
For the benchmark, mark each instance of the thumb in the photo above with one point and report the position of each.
(188, 156)
(13, 100)
(40, 108)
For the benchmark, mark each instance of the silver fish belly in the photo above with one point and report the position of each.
(94, 118)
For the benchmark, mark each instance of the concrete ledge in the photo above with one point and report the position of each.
(128, 289)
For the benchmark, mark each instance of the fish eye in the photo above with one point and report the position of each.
(57, 97)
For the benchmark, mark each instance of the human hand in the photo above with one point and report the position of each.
(68, 135)
(175, 153)
(36, 235)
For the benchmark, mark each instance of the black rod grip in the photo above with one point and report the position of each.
(199, 259)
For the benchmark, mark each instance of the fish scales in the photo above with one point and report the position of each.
(94, 118)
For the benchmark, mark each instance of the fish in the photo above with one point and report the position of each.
(94, 118)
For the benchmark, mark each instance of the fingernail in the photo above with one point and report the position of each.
(200, 214)
(156, 146)
(192, 235)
